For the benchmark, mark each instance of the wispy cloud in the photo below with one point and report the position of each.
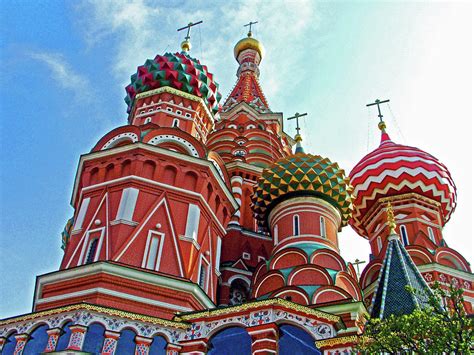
(64, 74)
(140, 29)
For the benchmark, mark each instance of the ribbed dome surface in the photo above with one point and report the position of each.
(179, 71)
(395, 169)
(303, 174)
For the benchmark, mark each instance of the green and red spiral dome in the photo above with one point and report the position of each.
(179, 71)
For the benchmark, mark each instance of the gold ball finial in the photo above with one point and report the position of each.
(382, 126)
(186, 46)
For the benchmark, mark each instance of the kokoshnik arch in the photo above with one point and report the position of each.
(198, 230)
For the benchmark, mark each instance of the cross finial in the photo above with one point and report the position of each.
(250, 27)
(298, 139)
(357, 262)
(377, 102)
(297, 116)
(186, 44)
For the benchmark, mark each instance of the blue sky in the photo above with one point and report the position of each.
(65, 66)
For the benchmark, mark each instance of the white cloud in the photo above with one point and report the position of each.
(64, 74)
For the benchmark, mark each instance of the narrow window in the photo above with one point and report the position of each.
(82, 213)
(296, 225)
(218, 252)
(178, 112)
(431, 234)
(147, 120)
(127, 204)
(188, 115)
(403, 231)
(275, 233)
(379, 243)
(92, 251)
(203, 275)
(176, 123)
(322, 226)
(192, 224)
(169, 109)
(153, 252)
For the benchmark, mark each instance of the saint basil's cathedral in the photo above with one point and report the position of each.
(201, 227)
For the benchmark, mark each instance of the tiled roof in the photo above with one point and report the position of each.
(398, 271)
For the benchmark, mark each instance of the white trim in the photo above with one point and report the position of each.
(86, 245)
(161, 240)
(202, 260)
(246, 256)
(239, 277)
(218, 252)
(124, 272)
(379, 243)
(173, 155)
(127, 205)
(322, 227)
(106, 291)
(82, 214)
(296, 225)
(404, 235)
(192, 222)
(169, 187)
(163, 200)
(78, 246)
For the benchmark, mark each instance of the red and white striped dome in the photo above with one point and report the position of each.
(395, 169)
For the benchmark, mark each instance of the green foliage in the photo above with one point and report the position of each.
(441, 327)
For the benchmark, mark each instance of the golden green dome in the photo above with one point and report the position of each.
(249, 43)
(302, 174)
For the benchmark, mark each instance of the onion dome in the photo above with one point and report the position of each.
(302, 174)
(249, 43)
(179, 71)
(395, 169)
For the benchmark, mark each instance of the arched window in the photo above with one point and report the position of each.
(10, 345)
(147, 120)
(38, 340)
(431, 234)
(379, 243)
(126, 342)
(94, 339)
(239, 292)
(176, 123)
(233, 340)
(322, 226)
(63, 340)
(296, 225)
(294, 340)
(92, 251)
(158, 345)
(403, 231)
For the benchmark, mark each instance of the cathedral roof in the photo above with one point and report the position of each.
(398, 271)
(179, 71)
(394, 169)
(302, 174)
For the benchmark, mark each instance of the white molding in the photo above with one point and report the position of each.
(84, 235)
(169, 153)
(161, 240)
(447, 270)
(127, 273)
(106, 291)
(124, 221)
(85, 245)
(165, 186)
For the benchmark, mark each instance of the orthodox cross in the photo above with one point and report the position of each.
(191, 24)
(297, 116)
(378, 102)
(250, 27)
(357, 262)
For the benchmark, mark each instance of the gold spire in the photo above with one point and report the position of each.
(392, 225)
